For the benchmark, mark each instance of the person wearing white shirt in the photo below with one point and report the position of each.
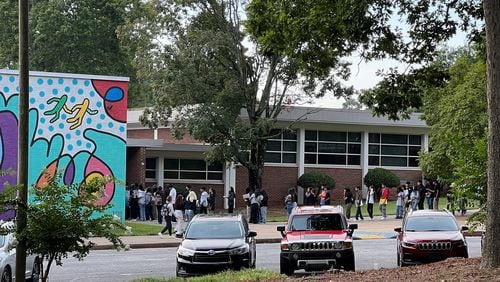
(203, 200)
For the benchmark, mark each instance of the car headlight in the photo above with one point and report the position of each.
(185, 252)
(347, 244)
(409, 245)
(239, 251)
(285, 247)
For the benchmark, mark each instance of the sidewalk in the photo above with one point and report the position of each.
(266, 233)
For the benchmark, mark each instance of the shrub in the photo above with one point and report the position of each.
(379, 176)
(316, 179)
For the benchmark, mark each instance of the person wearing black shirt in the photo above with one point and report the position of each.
(421, 193)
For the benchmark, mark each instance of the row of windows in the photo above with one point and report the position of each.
(175, 169)
(321, 148)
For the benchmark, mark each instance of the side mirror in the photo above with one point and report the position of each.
(397, 229)
(353, 226)
(465, 228)
(252, 233)
(281, 229)
(12, 244)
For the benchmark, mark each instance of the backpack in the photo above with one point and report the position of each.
(147, 198)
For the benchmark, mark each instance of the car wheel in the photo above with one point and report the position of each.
(401, 260)
(285, 267)
(35, 272)
(350, 266)
(6, 275)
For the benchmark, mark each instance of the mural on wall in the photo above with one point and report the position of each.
(77, 127)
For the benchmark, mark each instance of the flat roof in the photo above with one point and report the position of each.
(66, 75)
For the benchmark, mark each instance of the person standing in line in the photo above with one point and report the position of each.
(310, 197)
(358, 201)
(255, 200)
(348, 202)
(178, 214)
(172, 192)
(429, 195)
(148, 197)
(421, 195)
(246, 198)
(203, 201)
(211, 199)
(167, 212)
(414, 198)
(141, 199)
(159, 204)
(190, 203)
(324, 196)
(289, 201)
(230, 200)
(400, 200)
(370, 200)
(263, 206)
(384, 198)
(134, 202)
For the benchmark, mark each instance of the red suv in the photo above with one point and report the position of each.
(316, 238)
(428, 235)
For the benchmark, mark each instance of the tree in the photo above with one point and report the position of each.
(209, 78)
(62, 218)
(316, 179)
(378, 176)
(73, 36)
(429, 24)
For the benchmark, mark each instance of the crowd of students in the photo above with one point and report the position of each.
(168, 204)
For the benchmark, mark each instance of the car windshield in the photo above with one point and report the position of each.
(316, 222)
(430, 223)
(211, 229)
(2, 240)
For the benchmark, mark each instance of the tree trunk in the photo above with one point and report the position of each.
(256, 167)
(491, 247)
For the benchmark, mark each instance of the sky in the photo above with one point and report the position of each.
(363, 75)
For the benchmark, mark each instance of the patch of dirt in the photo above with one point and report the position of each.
(453, 269)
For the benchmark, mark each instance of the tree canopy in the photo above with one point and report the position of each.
(73, 36)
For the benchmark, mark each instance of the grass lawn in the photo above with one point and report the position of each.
(142, 229)
(226, 276)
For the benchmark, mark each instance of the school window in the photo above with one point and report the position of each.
(332, 148)
(281, 147)
(394, 149)
(190, 169)
(151, 168)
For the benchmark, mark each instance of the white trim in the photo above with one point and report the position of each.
(364, 160)
(160, 176)
(194, 181)
(155, 134)
(280, 165)
(332, 166)
(301, 151)
(395, 168)
(66, 75)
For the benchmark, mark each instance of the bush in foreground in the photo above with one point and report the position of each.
(226, 276)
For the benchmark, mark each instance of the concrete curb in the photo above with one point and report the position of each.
(146, 245)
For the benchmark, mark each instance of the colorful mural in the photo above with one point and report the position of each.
(77, 127)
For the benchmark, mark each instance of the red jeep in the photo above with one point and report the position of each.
(316, 238)
(428, 235)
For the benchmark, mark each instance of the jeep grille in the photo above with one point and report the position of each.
(434, 246)
(319, 246)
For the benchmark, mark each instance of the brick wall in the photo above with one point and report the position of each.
(140, 133)
(344, 178)
(275, 180)
(136, 157)
(165, 134)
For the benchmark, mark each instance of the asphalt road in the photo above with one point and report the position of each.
(111, 265)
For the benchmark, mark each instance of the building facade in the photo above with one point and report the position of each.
(342, 143)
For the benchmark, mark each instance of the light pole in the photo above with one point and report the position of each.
(22, 149)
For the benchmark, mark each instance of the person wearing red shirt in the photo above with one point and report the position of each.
(384, 198)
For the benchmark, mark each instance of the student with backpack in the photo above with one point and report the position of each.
(159, 204)
(167, 212)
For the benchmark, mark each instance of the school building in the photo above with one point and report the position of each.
(342, 143)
